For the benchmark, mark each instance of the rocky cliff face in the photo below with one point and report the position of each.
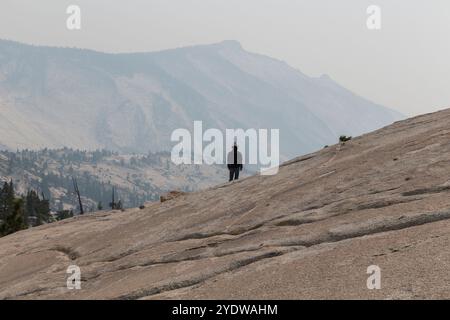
(311, 231)
(61, 97)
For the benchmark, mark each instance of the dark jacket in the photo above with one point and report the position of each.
(234, 159)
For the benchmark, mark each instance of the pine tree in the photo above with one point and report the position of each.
(43, 211)
(7, 197)
(14, 221)
(37, 211)
(64, 214)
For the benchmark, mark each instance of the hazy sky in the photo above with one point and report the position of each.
(405, 65)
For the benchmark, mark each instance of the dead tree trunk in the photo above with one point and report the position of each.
(113, 202)
(77, 191)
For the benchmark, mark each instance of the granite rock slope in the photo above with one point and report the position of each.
(308, 232)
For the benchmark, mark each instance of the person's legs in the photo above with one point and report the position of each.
(236, 173)
(231, 174)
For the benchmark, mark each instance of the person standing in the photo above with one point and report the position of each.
(234, 163)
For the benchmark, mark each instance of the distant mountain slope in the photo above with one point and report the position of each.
(136, 178)
(311, 231)
(55, 97)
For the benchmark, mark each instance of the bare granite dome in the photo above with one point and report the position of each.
(311, 231)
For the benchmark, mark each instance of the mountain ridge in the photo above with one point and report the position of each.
(131, 102)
